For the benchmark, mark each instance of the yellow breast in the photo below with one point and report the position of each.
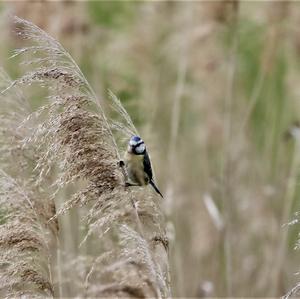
(135, 168)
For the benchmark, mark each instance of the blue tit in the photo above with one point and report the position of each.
(138, 164)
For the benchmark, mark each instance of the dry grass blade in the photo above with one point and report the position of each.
(13, 109)
(126, 126)
(292, 292)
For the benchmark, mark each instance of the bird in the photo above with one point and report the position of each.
(138, 165)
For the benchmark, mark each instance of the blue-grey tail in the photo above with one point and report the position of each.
(155, 188)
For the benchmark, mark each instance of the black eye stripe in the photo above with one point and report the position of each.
(138, 144)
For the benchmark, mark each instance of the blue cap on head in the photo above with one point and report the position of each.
(134, 140)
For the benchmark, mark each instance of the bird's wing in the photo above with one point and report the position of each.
(147, 166)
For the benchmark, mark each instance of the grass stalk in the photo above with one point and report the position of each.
(227, 167)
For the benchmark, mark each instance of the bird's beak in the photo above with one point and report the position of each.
(129, 149)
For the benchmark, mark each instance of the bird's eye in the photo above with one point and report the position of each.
(140, 149)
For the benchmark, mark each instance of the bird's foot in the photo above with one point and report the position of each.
(121, 163)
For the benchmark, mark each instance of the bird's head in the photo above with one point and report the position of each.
(136, 146)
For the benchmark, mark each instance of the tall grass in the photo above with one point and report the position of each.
(76, 146)
(26, 237)
(212, 98)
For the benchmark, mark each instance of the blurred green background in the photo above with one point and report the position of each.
(213, 86)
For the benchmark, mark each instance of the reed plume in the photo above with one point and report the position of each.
(26, 238)
(75, 141)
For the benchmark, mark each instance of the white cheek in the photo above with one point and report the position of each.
(132, 142)
(140, 148)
